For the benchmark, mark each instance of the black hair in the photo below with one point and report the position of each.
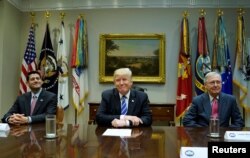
(33, 72)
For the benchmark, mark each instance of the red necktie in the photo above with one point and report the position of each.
(215, 108)
(33, 104)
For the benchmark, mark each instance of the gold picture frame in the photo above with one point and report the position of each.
(144, 54)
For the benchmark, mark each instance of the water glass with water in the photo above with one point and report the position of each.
(214, 127)
(50, 126)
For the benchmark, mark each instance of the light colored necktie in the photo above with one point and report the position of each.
(215, 108)
(123, 148)
(124, 108)
(32, 137)
(33, 104)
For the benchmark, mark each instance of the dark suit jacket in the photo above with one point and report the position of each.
(110, 107)
(46, 104)
(199, 113)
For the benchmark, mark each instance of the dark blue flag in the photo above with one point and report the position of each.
(48, 64)
(221, 56)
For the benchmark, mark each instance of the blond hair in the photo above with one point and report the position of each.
(122, 71)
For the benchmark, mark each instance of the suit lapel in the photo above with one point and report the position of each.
(220, 104)
(117, 101)
(131, 102)
(27, 103)
(207, 105)
(39, 102)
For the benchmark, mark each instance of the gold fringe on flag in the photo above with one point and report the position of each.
(240, 46)
(185, 48)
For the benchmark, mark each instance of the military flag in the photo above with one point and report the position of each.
(202, 62)
(29, 61)
(241, 75)
(221, 56)
(79, 65)
(184, 88)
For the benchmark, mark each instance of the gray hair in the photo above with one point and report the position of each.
(122, 71)
(212, 73)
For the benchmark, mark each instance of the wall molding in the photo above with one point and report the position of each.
(41, 5)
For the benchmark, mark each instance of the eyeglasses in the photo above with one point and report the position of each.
(214, 82)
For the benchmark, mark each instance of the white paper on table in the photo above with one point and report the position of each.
(194, 152)
(4, 133)
(118, 132)
(4, 127)
(241, 136)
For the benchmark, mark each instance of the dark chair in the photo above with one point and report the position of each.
(140, 89)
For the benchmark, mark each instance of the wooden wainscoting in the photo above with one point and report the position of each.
(163, 113)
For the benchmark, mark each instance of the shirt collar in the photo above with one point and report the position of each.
(212, 98)
(127, 95)
(36, 94)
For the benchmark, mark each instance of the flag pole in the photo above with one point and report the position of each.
(62, 15)
(47, 15)
(241, 12)
(202, 12)
(75, 116)
(220, 12)
(243, 111)
(32, 14)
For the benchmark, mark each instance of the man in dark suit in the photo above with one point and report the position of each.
(31, 107)
(198, 115)
(123, 106)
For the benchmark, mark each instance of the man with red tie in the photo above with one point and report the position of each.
(31, 107)
(214, 103)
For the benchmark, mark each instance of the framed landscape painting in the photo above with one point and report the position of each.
(144, 54)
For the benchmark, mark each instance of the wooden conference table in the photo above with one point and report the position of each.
(87, 141)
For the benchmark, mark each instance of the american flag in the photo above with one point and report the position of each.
(29, 63)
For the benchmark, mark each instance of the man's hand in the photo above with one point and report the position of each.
(18, 119)
(136, 133)
(136, 121)
(18, 130)
(118, 123)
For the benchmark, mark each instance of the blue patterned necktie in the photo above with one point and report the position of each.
(124, 148)
(124, 108)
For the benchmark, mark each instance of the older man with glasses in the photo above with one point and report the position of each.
(214, 103)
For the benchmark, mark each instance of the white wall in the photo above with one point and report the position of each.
(163, 20)
(9, 54)
(1, 47)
